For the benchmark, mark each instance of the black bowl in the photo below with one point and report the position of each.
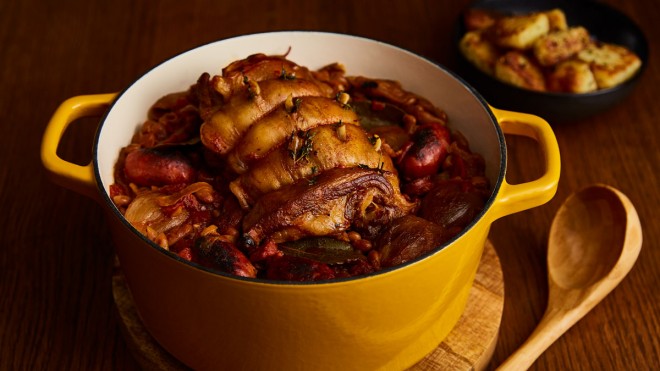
(603, 23)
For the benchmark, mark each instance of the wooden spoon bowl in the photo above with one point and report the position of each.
(587, 237)
(594, 241)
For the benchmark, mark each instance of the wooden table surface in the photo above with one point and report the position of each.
(56, 255)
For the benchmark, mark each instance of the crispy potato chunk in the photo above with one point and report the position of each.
(479, 51)
(517, 69)
(572, 76)
(539, 51)
(611, 64)
(520, 31)
(557, 20)
(559, 46)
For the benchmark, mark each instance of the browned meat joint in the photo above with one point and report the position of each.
(273, 171)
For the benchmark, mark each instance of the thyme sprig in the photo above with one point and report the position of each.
(300, 145)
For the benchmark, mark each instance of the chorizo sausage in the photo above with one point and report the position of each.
(424, 154)
(152, 167)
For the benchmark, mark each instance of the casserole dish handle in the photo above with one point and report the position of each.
(514, 198)
(78, 178)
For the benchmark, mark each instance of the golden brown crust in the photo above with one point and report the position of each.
(517, 69)
(479, 51)
(572, 76)
(281, 168)
(529, 51)
(224, 128)
(520, 31)
(611, 64)
(276, 127)
(558, 46)
(556, 20)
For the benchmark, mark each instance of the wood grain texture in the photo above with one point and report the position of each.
(56, 307)
(470, 345)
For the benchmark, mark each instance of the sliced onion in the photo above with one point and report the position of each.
(145, 210)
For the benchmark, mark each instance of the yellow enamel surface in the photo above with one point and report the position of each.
(384, 322)
(387, 321)
(515, 198)
(73, 176)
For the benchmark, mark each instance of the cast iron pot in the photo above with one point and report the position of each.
(387, 320)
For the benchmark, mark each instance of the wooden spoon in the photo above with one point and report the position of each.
(594, 241)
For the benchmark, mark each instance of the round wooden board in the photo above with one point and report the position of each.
(469, 346)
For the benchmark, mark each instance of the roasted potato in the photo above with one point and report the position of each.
(520, 31)
(479, 51)
(559, 46)
(517, 69)
(556, 20)
(572, 76)
(539, 51)
(611, 64)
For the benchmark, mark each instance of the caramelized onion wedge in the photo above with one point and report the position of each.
(146, 213)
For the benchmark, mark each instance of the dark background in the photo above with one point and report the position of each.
(56, 254)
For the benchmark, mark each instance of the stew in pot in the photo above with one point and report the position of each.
(275, 171)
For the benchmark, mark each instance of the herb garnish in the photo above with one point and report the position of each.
(300, 145)
(287, 76)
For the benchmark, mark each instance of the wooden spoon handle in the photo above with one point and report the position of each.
(552, 326)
